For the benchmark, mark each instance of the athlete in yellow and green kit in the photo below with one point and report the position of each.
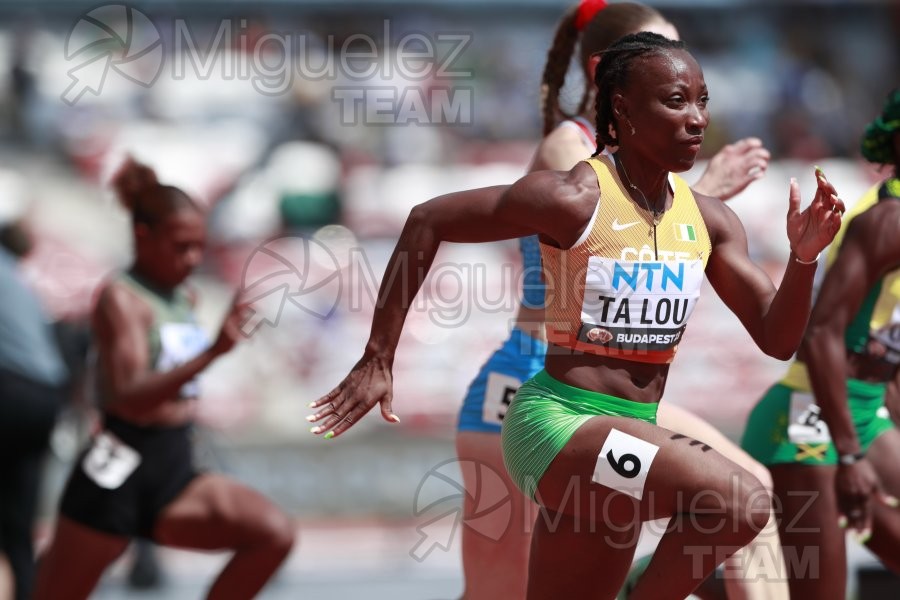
(825, 430)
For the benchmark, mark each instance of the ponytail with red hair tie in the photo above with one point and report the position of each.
(587, 10)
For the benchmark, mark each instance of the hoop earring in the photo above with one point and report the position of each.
(630, 126)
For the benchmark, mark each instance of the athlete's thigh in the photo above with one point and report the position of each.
(214, 512)
(687, 423)
(883, 454)
(595, 558)
(487, 481)
(660, 472)
(885, 540)
(76, 560)
(497, 521)
(812, 542)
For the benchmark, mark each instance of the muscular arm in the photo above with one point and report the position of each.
(132, 387)
(867, 253)
(530, 206)
(774, 318)
(555, 205)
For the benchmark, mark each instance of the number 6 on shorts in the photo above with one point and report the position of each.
(623, 463)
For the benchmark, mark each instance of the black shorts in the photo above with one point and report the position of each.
(127, 476)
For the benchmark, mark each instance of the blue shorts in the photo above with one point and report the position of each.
(489, 395)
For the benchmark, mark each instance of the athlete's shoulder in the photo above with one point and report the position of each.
(115, 297)
(569, 132)
(716, 215)
(579, 179)
(563, 201)
(561, 149)
(880, 222)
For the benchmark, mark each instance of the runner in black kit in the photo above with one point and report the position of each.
(137, 479)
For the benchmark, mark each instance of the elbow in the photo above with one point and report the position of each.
(419, 218)
(423, 227)
(778, 347)
(814, 337)
(783, 354)
(780, 353)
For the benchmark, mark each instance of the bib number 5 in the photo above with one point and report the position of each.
(499, 393)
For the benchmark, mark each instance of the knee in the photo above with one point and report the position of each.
(761, 472)
(750, 506)
(277, 531)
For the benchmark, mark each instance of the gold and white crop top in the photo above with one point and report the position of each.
(624, 290)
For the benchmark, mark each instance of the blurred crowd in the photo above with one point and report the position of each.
(301, 132)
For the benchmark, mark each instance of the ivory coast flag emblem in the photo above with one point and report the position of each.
(685, 232)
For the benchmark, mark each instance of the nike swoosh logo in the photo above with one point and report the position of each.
(617, 227)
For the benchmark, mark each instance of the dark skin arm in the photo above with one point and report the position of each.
(869, 250)
(774, 318)
(120, 321)
(555, 205)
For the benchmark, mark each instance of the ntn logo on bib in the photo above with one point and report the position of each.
(638, 305)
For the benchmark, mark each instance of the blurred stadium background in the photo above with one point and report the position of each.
(278, 143)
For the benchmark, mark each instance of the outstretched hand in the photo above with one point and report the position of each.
(369, 383)
(733, 168)
(811, 230)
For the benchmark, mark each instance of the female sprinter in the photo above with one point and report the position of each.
(136, 479)
(824, 430)
(499, 566)
(580, 437)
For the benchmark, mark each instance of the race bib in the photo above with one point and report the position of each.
(632, 305)
(498, 394)
(624, 462)
(179, 343)
(110, 461)
(806, 425)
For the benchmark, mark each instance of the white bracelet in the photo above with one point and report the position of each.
(803, 262)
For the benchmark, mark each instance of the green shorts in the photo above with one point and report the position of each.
(544, 416)
(785, 427)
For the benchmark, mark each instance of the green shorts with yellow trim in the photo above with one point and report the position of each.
(543, 417)
(785, 426)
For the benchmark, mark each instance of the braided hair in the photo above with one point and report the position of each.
(148, 201)
(601, 31)
(612, 74)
